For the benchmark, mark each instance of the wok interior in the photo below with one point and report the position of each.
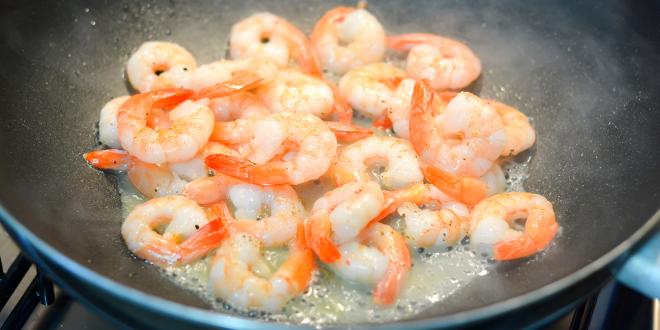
(583, 73)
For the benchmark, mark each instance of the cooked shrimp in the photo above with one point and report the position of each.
(467, 137)
(429, 228)
(295, 91)
(346, 38)
(397, 157)
(282, 148)
(340, 215)
(182, 220)
(364, 263)
(153, 180)
(266, 36)
(446, 63)
(491, 221)
(240, 275)
(108, 122)
(371, 89)
(159, 64)
(520, 134)
(190, 123)
(270, 213)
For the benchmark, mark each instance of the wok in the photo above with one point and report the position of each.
(586, 72)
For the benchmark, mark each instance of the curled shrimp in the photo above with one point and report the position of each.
(465, 139)
(428, 228)
(282, 148)
(346, 38)
(270, 213)
(153, 180)
(158, 64)
(340, 215)
(240, 275)
(446, 63)
(270, 37)
(360, 261)
(372, 89)
(520, 134)
(191, 122)
(295, 91)
(396, 157)
(187, 235)
(492, 220)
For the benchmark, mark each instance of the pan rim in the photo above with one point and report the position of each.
(213, 318)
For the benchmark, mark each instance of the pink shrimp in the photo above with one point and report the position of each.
(492, 218)
(446, 63)
(384, 251)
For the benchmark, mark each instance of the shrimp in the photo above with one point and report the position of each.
(240, 275)
(359, 261)
(371, 89)
(347, 133)
(429, 228)
(520, 134)
(297, 92)
(446, 63)
(466, 138)
(266, 36)
(340, 215)
(346, 38)
(269, 213)
(191, 122)
(401, 166)
(282, 148)
(181, 241)
(491, 221)
(153, 180)
(108, 122)
(159, 64)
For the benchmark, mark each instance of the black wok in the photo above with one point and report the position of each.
(586, 73)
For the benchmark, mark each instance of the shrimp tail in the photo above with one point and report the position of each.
(347, 132)
(220, 210)
(464, 189)
(204, 240)
(525, 245)
(383, 123)
(168, 98)
(393, 199)
(301, 265)
(108, 160)
(421, 121)
(318, 236)
(389, 287)
(272, 173)
(243, 80)
(342, 109)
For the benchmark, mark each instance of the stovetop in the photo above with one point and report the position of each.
(36, 304)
